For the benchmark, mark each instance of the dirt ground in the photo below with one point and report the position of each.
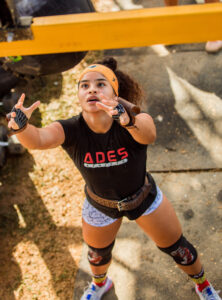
(41, 194)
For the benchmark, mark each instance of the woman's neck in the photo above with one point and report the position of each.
(98, 122)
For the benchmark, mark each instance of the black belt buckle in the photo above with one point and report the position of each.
(119, 204)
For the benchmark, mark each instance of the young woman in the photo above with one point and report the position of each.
(108, 145)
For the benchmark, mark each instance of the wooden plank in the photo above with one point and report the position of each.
(123, 29)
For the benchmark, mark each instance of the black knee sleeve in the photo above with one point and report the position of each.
(182, 252)
(100, 256)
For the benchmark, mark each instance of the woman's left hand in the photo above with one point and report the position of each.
(108, 105)
(145, 132)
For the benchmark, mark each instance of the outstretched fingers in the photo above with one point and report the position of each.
(16, 122)
(103, 106)
(29, 110)
(107, 105)
(20, 101)
(34, 106)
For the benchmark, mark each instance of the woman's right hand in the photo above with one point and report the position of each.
(27, 111)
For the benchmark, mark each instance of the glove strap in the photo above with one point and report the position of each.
(132, 111)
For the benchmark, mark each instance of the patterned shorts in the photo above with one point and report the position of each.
(96, 218)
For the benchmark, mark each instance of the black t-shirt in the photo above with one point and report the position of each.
(112, 164)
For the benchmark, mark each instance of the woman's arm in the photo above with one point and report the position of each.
(32, 137)
(144, 131)
(42, 138)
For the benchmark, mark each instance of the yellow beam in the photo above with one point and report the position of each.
(134, 28)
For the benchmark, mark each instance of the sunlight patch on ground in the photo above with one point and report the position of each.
(122, 257)
(160, 50)
(30, 263)
(202, 111)
(76, 252)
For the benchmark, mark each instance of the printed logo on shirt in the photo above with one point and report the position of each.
(106, 159)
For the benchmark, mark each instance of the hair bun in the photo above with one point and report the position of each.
(109, 62)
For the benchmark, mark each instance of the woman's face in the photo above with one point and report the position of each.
(92, 88)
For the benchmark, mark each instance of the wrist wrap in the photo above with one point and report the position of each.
(132, 111)
(120, 109)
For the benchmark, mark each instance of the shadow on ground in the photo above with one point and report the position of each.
(25, 219)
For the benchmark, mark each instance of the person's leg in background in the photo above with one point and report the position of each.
(211, 46)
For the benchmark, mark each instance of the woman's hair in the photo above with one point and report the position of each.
(129, 89)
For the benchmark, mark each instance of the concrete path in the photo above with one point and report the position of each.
(140, 270)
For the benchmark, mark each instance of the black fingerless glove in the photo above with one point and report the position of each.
(132, 110)
(120, 110)
(20, 119)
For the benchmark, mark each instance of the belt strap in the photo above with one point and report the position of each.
(127, 203)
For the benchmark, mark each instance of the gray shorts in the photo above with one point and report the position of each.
(96, 218)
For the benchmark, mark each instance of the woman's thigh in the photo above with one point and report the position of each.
(99, 230)
(162, 225)
(100, 237)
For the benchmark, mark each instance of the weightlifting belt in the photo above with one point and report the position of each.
(127, 203)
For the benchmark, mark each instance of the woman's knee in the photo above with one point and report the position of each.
(100, 256)
(182, 251)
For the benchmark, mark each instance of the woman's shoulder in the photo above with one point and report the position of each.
(72, 129)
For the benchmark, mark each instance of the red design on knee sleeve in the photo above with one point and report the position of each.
(94, 258)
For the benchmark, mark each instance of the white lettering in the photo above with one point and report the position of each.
(106, 165)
